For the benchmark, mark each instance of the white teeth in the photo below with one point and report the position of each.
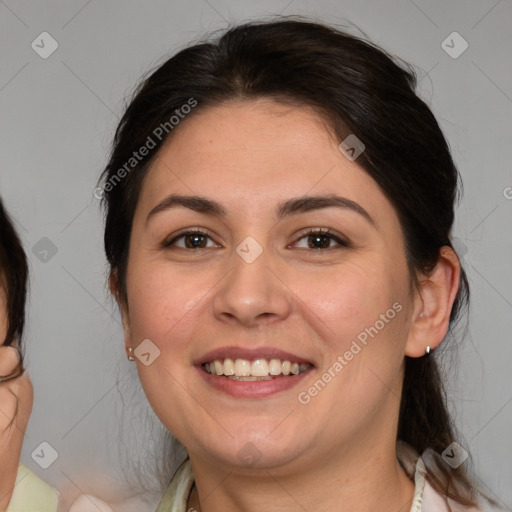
(259, 369)
(242, 368)
(274, 367)
(252, 379)
(229, 367)
(219, 368)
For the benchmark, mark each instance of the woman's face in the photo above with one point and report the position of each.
(256, 286)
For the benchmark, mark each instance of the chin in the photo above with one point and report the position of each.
(254, 448)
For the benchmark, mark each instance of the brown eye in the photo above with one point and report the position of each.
(190, 240)
(320, 239)
(195, 241)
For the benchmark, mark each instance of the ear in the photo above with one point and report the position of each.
(433, 303)
(113, 284)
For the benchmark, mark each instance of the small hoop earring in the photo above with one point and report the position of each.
(427, 350)
(130, 352)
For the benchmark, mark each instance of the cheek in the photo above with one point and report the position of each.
(351, 297)
(162, 305)
(361, 311)
(159, 300)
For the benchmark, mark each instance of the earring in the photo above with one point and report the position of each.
(130, 352)
(427, 350)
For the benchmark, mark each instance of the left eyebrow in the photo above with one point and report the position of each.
(310, 203)
(290, 207)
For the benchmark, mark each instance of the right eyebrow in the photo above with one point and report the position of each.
(196, 203)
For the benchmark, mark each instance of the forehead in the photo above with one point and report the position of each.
(256, 153)
(250, 133)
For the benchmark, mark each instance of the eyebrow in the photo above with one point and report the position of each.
(286, 209)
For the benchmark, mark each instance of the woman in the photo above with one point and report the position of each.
(279, 205)
(19, 488)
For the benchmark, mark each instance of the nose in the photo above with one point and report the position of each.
(252, 294)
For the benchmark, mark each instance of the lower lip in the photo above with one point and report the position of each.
(252, 389)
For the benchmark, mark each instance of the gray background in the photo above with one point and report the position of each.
(58, 115)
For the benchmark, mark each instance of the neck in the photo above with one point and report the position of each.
(358, 481)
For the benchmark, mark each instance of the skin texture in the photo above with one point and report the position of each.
(338, 451)
(16, 399)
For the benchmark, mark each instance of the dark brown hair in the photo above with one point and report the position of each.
(358, 89)
(13, 279)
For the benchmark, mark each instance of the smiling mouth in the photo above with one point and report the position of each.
(255, 370)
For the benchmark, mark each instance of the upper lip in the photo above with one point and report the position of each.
(250, 354)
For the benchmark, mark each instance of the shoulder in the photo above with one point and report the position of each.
(31, 494)
(426, 498)
(434, 502)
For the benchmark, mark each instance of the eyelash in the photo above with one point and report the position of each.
(311, 232)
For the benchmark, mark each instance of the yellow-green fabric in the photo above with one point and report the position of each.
(176, 495)
(31, 494)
